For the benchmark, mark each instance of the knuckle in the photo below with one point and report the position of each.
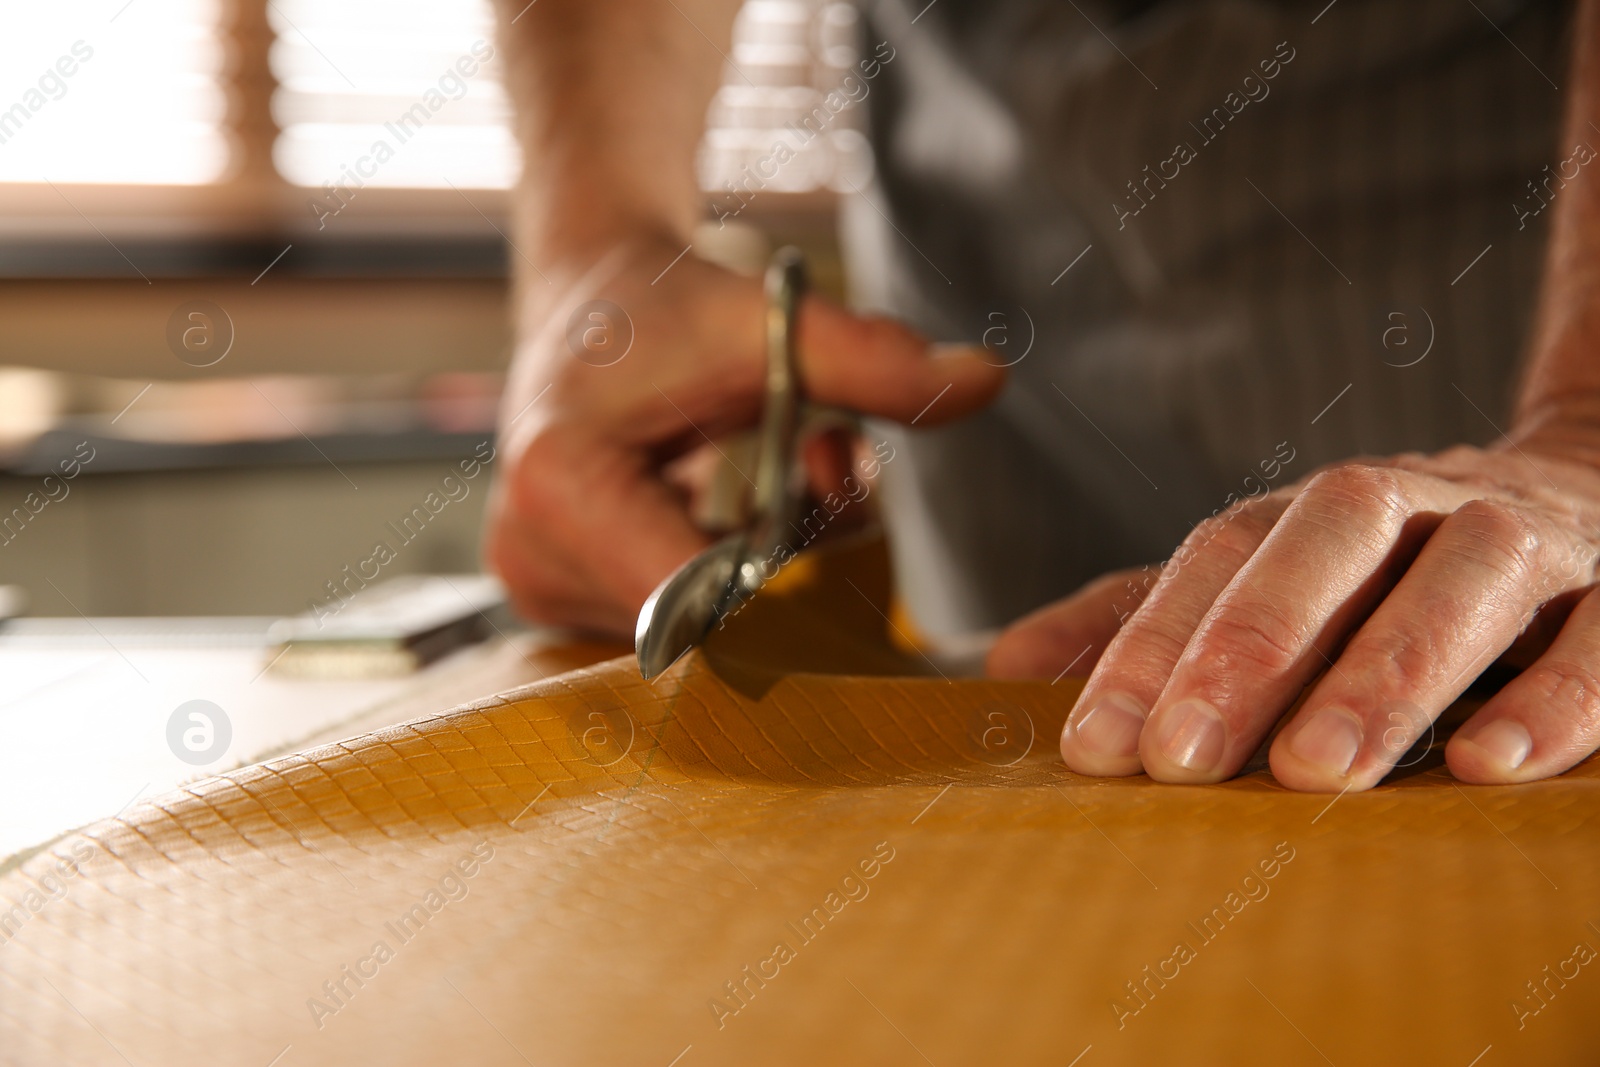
(1403, 661)
(1206, 531)
(1358, 487)
(530, 598)
(1250, 636)
(535, 606)
(1499, 535)
(1147, 639)
(538, 490)
(1572, 688)
(539, 590)
(1419, 461)
(1413, 663)
(1237, 533)
(529, 524)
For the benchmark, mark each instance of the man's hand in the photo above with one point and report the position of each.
(1391, 584)
(583, 523)
(611, 100)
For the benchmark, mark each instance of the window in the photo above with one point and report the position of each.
(374, 92)
(155, 152)
(112, 92)
(252, 94)
(788, 56)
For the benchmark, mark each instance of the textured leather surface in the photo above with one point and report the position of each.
(548, 892)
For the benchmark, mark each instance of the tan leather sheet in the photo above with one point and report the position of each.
(752, 861)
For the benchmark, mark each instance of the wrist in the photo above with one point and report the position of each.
(1567, 427)
(564, 242)
(555, 272)
(568, 236)
(580, 205)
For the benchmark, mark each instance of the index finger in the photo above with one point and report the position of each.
(1334, 554)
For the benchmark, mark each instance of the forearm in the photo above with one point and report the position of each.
(1560, 400)
(610, 98)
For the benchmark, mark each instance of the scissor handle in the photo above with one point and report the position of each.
(775, 496)
(689, 602)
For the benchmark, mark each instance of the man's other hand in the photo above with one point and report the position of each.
(1390, 584)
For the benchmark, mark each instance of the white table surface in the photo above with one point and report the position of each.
(84, 714)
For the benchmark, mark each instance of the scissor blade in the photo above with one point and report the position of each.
(685, 607)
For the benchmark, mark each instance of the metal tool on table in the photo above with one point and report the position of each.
(703, 591)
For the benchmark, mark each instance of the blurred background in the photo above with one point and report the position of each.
(254, 337)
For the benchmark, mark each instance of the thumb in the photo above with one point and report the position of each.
(1071, 633)
(878, 366)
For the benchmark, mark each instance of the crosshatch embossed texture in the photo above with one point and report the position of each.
(801, 845)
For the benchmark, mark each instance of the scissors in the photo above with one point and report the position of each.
(705, 590)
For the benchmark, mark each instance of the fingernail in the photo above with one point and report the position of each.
(1506, 740)
(1111, 726)
(1191, 735)
(1329, 741)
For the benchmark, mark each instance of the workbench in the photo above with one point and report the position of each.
(801, 844)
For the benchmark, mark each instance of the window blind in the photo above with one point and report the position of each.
(401, 94)
(238, 95)
(112, 92)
